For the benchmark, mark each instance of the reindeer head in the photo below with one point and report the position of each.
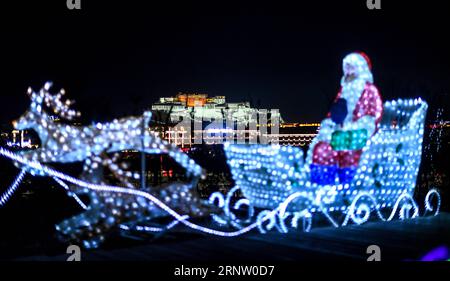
(35, 115)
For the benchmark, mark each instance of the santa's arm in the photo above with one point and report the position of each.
(368, 113)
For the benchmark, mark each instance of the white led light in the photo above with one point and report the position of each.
(385, 178)
(271, 177)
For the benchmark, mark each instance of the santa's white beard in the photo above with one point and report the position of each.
(351, 92)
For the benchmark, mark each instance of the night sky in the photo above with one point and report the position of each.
(116, 58)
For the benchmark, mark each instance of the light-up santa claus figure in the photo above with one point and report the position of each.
(354, 117)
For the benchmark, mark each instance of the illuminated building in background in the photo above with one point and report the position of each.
(300, 135)
(200, 106)
(222, 121)
(296, 134)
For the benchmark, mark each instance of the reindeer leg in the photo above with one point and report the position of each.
(83, 228)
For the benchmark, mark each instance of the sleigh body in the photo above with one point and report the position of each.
(269, 174)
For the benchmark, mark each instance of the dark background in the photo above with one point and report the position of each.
(115, 58)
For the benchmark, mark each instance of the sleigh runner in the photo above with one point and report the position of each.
(272, 177)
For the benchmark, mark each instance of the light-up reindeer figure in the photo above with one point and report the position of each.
(67, 143)
(92, 145)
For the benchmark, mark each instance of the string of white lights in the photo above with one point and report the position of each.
(150, 228)
(366, 209)
(115, 189)
(430, 194)
(66, 187)
(10, 191)
(265, 215)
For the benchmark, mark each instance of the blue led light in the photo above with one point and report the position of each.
(385, 178)
(289, 189)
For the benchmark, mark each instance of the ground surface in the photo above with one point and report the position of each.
(398, 240)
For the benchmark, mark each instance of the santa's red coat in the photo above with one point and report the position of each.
(369, 104)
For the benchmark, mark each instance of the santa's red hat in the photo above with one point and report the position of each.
(366, 57)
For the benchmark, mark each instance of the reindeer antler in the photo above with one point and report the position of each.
(56, 104)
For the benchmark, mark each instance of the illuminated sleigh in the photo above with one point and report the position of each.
(276, 179)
